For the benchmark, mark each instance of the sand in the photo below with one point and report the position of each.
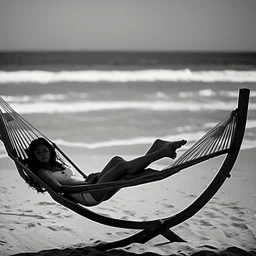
(34, 224)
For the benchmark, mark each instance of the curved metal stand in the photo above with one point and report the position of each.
(223, 173)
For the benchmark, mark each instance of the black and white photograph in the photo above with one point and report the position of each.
(128, 127)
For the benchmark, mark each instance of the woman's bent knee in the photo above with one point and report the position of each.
(122, 165)
(117, 159)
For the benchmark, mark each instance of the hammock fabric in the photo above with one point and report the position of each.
(225, 138)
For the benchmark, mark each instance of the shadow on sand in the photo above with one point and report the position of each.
(90, 251)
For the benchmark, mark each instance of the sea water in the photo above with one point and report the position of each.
(121, 102)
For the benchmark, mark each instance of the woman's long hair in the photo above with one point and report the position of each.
(34, 165)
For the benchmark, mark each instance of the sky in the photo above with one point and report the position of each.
(157, 25)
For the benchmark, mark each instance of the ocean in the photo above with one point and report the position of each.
(95, 105)
(120, 102)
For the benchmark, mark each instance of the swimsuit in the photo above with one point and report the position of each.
(62, 175)
(82, 198)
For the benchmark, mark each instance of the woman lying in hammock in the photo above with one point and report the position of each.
(42, 160)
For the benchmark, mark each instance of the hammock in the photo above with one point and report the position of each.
(225, 138)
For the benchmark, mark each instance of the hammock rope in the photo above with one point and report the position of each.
(218, 139)
(215, 142)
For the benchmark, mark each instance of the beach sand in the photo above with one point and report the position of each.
(34, 224)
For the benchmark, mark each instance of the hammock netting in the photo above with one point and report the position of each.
(19, 133)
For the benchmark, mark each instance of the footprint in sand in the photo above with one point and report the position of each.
(235, 207)
(167, 205)
(107, 209)
(97, 242)
(158, 212)
(7, 208)
(214, 208)
(211, 215)
(191, 196)
(234, 218)
(224, 225)
(3, 190)
(55, 214)
(240, 225)
(122, 233)
(228, 234)
(225, 214)
(59, 228)
(33, 225)
(130, 213)
(205, 223)
(46, 203)
(124, 218)
(25, 211)
(68, 215)
(236, 203)
(2, 242)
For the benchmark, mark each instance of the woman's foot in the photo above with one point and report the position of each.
(158, 144)
(170, 148)
(139, 164)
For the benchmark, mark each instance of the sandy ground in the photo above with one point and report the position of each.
(34, 224)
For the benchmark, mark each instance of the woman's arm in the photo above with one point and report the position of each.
(58, 187)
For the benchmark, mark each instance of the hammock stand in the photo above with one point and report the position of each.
(225, 138)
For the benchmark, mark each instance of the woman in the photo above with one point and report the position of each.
(42, 160)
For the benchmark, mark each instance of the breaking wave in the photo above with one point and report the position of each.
(49, 107)
(247, 144)
(209, 93)
(184, 75)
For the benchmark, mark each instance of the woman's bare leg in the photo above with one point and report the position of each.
(161, 143)
(135, 166)
(157, 145)
(117, 159)
(168, 150)
(113, 162)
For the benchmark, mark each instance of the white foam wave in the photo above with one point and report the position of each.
(190, 137)
(247, 144)
(28, 98)
(49, 107)
(128, 142)
(249, 124)
(210, 93)
(185, 75)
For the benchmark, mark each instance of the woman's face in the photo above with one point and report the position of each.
(42, 154)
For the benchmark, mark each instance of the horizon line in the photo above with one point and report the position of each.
(128, 51)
